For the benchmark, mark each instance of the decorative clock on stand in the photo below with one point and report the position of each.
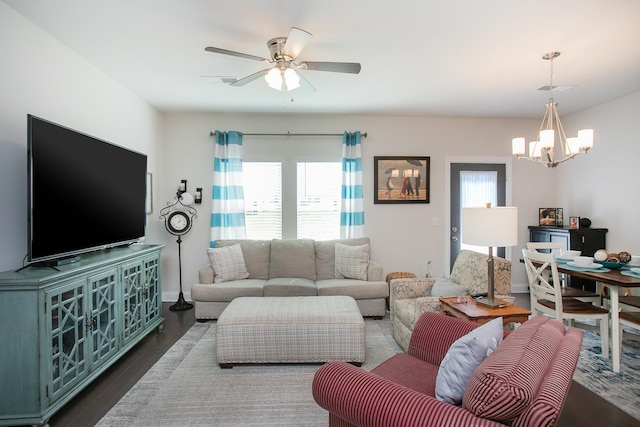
(178, 218)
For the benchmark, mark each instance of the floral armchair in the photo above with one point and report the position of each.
(410, 297)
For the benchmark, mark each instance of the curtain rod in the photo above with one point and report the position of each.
(364, 134)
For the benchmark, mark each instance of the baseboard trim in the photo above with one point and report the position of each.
(519, 288)
(173, 296)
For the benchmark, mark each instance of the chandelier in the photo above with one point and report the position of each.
(544, 150)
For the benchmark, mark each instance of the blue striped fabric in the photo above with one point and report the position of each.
(352, 205)
(227, 203)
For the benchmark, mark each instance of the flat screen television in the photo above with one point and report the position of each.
(84, 193)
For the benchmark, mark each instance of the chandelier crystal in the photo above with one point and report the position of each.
(544, 149)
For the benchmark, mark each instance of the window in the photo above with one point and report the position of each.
(477, 188)
(263, 199)
(317, 188)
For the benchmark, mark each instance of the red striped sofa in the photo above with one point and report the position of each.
(524, 382)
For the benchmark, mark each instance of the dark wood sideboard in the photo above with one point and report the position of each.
(586, 240)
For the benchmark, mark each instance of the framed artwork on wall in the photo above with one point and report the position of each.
(148, 201)
(401, 179)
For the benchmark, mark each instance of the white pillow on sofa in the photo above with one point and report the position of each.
(462, 359)
(228, 263)
(444, 287)
(352, 262)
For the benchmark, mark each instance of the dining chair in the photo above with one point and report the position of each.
(628, 318)
(626, 298)
(546, 296)
(556, 248)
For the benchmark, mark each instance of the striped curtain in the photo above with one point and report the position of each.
(352, 206)
(227, 205)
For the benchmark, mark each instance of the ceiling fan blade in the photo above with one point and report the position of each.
(251, 77)
(336, 67)
(305, 85)
(238, 54)
(296, 41)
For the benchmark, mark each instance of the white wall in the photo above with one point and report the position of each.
(43, 77)
(603, 185)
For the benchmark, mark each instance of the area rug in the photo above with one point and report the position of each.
(186, 387)
(595, 373)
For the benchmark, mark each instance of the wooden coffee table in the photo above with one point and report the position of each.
(474, 313)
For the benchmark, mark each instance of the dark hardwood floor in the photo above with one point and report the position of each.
(87, 408)
(582, 407)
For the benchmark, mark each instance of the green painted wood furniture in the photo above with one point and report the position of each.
(61, 329)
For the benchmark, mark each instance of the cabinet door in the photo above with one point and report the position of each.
(538, 236)
(559, 237)
(153, 299)
(103, 316)
(66, 338)
(133, 299)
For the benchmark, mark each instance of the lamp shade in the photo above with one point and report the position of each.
(496, 226)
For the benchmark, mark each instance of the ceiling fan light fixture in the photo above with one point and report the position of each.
(274, 78)
(291, 79)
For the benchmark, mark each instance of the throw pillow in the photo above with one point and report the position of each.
(443, 287)
(352, 262)
(228, 263)
(462, 359)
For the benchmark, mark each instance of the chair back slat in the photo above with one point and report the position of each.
(544, 280)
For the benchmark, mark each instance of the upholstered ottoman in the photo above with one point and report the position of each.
(312, 329)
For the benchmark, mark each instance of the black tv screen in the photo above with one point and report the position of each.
(84, 193)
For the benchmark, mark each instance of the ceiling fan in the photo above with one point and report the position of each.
(285, 72)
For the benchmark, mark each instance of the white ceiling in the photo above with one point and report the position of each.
(419, 57)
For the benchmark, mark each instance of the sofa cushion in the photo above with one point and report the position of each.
(444, 287)
(227, 291)
(326, 255)
(462, 359)
(507, 382)
(288, 287)
(228, 263)
(295, 258)
(410, 372)
(352, 261)
(257, 254)
(358, 289)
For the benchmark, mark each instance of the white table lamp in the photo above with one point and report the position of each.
(492, 227)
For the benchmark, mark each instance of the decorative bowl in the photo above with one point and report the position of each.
(612, 265)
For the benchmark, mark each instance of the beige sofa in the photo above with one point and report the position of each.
(296, 267)
(410, 297)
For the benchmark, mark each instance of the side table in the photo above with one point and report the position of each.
(396, 275)
(474, 313)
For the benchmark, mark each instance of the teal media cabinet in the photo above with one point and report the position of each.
(61, 329)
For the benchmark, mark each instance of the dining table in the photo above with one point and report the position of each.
(614, 280)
